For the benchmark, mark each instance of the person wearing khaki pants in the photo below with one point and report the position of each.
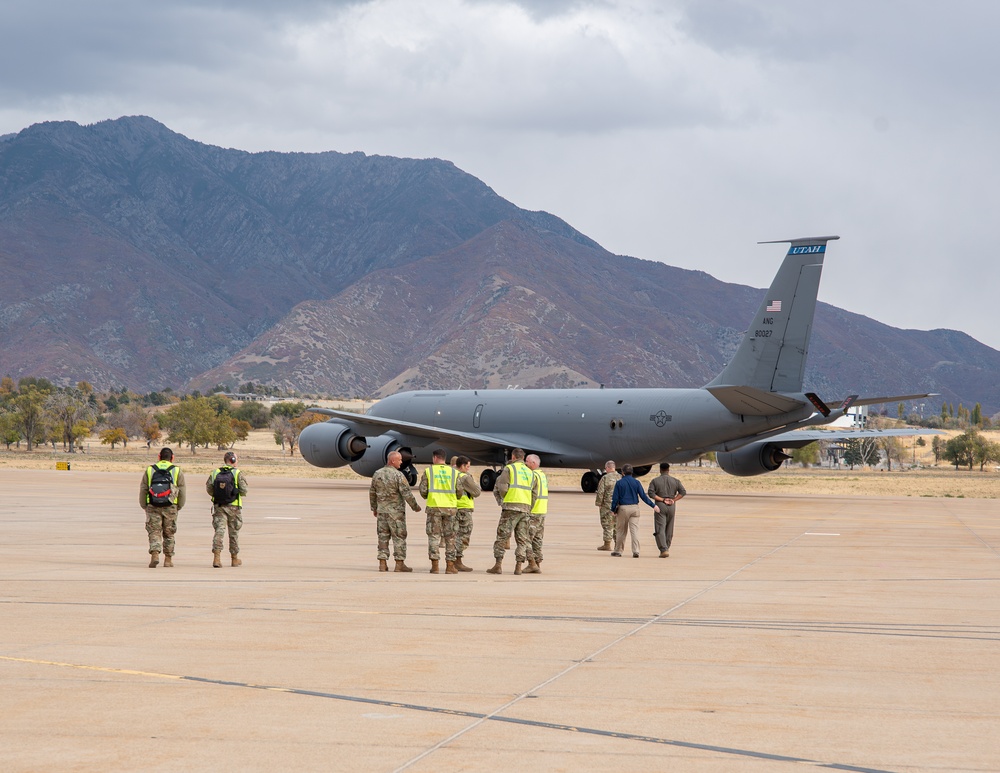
(625, 505)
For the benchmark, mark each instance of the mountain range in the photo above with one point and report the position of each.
(135, 257)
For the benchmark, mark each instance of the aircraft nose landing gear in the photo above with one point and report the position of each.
(589, 481)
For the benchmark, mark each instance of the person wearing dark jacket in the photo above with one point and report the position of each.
(625, 505)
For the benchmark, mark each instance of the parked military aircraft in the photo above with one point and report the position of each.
(749, 414)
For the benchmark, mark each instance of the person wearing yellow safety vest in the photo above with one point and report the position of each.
(227, 486)
(162, 494)
(513, 492)
(539, 507)
(437, 486)
(467, 489)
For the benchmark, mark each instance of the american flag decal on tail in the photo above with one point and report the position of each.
(774, 306)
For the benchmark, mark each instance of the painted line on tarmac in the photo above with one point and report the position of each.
(495, 714)
(493, 717)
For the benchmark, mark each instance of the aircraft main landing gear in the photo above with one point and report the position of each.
(488, 479)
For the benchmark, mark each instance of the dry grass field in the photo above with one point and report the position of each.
(259, 455)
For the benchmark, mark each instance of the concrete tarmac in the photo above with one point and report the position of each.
(782, 633)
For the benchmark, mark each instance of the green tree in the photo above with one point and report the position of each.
(192, 421)
(807, 455)
(9, 431)
(288, 409)
(256, 414)
(977, 415)
(861, 451)
(959, 450)
(29, 410)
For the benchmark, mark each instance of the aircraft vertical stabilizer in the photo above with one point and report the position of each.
(772, 355)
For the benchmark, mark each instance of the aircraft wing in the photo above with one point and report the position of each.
(459, 441)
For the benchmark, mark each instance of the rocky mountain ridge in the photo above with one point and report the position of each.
(133, 256)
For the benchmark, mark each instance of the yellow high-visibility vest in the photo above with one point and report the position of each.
(441, 481)
(542, 501)
(465, 502)
(163, 464)
(519, 491)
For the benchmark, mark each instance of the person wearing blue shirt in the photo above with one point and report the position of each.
(625, 505)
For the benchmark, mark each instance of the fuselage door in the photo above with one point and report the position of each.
(476, 415)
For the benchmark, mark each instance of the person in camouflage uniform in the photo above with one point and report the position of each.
(161, 522)
(515, 492)
(389, 494)
(605, 491)
(437, 486)
(227, 515)
(467, 489)
(536, 518)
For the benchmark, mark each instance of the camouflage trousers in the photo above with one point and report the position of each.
(463, 531)
(608, 525)
(512, 522)
(536, 535)
(441, 526)
(161, 525)
(223, 516)
(391, 525)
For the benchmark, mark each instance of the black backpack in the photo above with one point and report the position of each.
(161, 486)
(224, 490)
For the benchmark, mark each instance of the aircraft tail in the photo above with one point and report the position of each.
(772, 355)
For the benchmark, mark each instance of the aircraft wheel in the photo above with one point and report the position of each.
(589, 482)
(488, 480)
(411, 474)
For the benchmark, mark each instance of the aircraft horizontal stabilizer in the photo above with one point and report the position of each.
(880, 400)
(754, 402)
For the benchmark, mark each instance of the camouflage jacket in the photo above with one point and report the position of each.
(390, 493)
(606, 490)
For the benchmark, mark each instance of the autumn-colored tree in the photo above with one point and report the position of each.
(113, 436)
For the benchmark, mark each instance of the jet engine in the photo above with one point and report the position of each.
(331, 444)
(375, 457)
(754, 459)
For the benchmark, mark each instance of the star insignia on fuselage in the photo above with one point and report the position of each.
(661, 418)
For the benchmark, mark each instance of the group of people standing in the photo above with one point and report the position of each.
(521, 490)
(450, 491)
(618, 504)
(163, 493)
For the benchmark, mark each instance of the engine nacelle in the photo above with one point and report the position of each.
(378, 451)
(754, 459)
(331, 444)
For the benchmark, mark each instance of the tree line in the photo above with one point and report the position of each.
(35, 412)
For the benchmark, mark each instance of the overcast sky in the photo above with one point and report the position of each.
(682, 130)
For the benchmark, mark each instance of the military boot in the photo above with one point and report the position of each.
(606, 545)
(517, 567)
(497, 568)
(434, 566)
(450, 567)
(460, 566)
(217, 558)
(168, 560)
(154, 559)
(236, 561)
(532, 567)
(382, 565)
(401, 567)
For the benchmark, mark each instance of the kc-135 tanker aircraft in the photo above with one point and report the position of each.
(749, 414)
